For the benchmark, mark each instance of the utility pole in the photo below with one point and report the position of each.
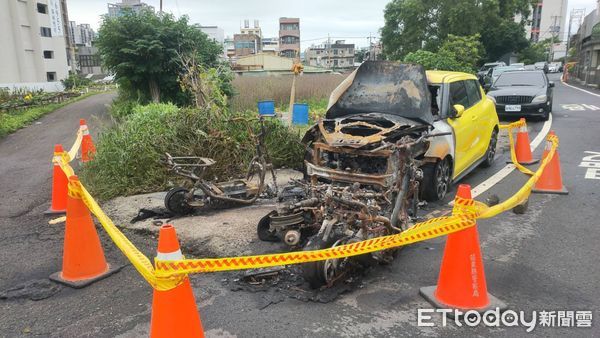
(554, 32)
(160, 8)
(328, 51)
(576, 14)
(370, 48)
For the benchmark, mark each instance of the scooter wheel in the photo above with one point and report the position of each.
(175, 201)
(263, 228)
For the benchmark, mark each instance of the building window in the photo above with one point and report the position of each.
(51, 76)
(42, 8)
(46, 31)
(48, 54)
(89, 60)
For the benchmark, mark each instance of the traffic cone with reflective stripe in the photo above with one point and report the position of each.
(461, 282)
(551, 179)
(522, 146)
(174, 312)
(88, 150)
(83, 256)
(59, 184)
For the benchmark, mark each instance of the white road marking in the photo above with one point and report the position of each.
(578, 107)
(583, 90)
(592, 163)
(502, 173)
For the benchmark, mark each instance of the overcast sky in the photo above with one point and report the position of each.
(350, 20)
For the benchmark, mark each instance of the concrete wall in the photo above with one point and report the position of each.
(266, 62)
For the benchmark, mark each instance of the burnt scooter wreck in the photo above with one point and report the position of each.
(362, 168)
(181, 201)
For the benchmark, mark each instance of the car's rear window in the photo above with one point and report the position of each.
(520, 79)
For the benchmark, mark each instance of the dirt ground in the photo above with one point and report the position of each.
(212, 233)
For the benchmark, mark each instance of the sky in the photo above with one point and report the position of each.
(349, 20)
(352, 20)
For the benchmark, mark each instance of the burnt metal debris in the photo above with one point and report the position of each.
(362, 170)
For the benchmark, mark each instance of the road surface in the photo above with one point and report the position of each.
(542, 260)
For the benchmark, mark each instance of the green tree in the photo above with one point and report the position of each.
(535, 52)
(442, 60)
(142, 51)
(466, 50)
(411, 25)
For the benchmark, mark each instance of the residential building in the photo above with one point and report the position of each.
(246, 29)
(35, 42)
(216, 34)
(330, 55)
(81, 35)
(246, 44)
(229, 47)
(547, 19)
(88, 60)
(289, 37)
(116, 9)
(270, 46)
(587, 46)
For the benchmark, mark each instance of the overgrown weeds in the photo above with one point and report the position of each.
(127, 161)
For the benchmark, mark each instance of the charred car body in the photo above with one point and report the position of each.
(381, 146)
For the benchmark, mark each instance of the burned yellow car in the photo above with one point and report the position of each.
(389, 137)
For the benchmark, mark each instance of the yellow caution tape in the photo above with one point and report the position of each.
(167, 274)
(75, 148)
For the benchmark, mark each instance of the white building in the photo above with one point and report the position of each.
(34, 50)
(270, 46)
(116, 9)
(548, 18)
(217, 34)
(81, 35)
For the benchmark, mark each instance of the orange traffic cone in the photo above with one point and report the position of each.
(174, 312)
(551, 179)
(59, 185)
(461, 282)
(88, 150)
(522, 147)
(83, 257)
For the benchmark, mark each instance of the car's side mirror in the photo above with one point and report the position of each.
(459, 109)
(551, 84)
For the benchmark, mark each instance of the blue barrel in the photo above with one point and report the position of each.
(266, 108)
(300, 113)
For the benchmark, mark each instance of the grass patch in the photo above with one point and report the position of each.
(15, 120)
(127, 158)
(309, 87)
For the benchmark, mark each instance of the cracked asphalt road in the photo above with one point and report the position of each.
(545, 259)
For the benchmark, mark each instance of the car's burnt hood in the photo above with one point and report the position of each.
(384, 87)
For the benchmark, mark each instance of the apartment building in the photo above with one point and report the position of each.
(246, 44)
(547, 19)
(270, 46)
(81, 35)
(116, 9)
(35, 39)
(289, 37)
(330, 55)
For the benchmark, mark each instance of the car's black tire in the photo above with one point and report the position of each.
(546, 116)
(490, 153)
(436, 180)
(262, 229)
(175, 201)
